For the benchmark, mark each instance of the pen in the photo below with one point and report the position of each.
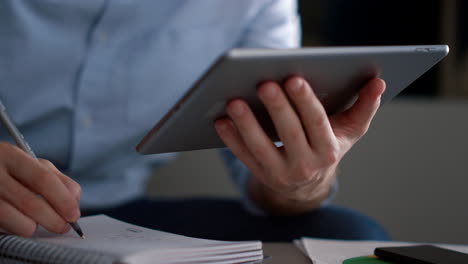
(21, 143)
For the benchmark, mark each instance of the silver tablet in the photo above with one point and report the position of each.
(335, 73)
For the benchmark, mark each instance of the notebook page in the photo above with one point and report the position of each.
(119, 239)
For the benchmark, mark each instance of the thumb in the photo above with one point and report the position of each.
(354, 122)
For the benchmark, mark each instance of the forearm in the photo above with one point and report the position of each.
(279, 203)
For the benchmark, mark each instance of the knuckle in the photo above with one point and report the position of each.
(320, 119)
(331, 156)
(41, 179)
(279, 183)
(363, 130)
(293, 134)
(303, 171)
(259, 151)
(76, 191)
(47, 163)
(29, 206)
(73, 187)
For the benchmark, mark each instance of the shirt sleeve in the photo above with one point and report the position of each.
(276, 25)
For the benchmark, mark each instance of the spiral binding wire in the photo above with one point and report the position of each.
(18, 250)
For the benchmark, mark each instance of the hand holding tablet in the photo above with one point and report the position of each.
(296, 177)
(318, 102)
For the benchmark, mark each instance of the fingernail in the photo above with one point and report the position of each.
(220, 126)
(237, 109)
(66, 228)
(296, 84)
(270, 91)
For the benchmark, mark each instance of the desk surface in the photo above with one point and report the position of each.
(284, 253)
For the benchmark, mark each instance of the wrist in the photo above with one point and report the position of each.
(286, 203)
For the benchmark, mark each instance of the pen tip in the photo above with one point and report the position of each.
(77, 229)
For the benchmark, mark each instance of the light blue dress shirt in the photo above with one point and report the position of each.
(85, 79)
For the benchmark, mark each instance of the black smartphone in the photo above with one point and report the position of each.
(422, 254)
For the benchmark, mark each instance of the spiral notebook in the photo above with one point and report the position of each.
(109, 241)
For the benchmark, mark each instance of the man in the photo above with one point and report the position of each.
(85, 80)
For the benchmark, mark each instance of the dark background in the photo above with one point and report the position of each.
(383, 22)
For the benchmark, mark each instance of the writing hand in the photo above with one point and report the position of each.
(34, 192)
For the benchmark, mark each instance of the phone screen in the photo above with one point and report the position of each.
(424, 254)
